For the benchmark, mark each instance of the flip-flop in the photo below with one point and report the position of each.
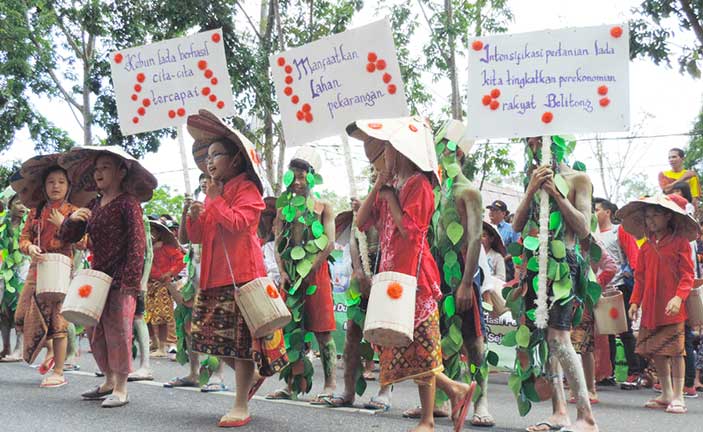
(224, 423)
(43, 369)
(180, 382)
(140, 377)
(593, 401)
(338, 401)
(656, 404)
(483, 420)
(281, 394)
(319, 400)
(416, 413)
(96, 394)
(46, 384)
(552, 427)
(377, 405)
(676, 408)
(369, 376)
(10, 359)
(460, 411)
(213, 387)
(255, 387)
(71, 367)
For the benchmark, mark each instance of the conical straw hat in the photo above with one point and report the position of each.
(632, 217)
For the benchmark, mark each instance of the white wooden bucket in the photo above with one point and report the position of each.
(86, 297)
(263, 308)
(610, 313)
(53, 277)
(390, 317)
(694, 307)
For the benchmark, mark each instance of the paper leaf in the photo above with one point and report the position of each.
(562, 288)
(522, 337)
(531, 243)
(321, 242)
(450, 258)
(452, 169)
(509, 340)
(533, 264)
(297, 201)
(558, 249)
(555, 220)
(515, 249)
(449, 306)
(455, 231)
(303, 268)
(561, 185)
(297, 253)
(311, 290)
(288, 178)
(317, 229)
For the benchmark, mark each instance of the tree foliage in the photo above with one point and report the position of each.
(658, 22)
(164, 202)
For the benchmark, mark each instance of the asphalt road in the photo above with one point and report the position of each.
(25, 407)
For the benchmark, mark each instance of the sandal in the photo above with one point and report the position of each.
(281, 394)
(483, 420)
(338, 401)
(180, 382)
(459, 412)
(656, 404)
(676, 408)
(53, 381)
(416, 413)
(550, 427)
(44, 368)
(255, 387)
(319, 400)
(228, 422)
(213, 387)
(377, 404)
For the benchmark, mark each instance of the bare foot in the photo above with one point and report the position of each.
(555, 422)
(423, 427)
(459, 396)
(583, 426)
(236, 413)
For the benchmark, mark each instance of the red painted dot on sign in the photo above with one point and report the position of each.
(494, 105)
(216, 37)
(308, 117)
(288, 91)
(141, 77)
(135, 97)
(295, 99)
(118, 58)
(306, 107)
(172, 113)
(547, 117)
(206, 91)
(208, 74)
(220, 104)
(146, 102)
(381, 64)
(495, 93)
(412, 127)
(392, 88)
(387, 77)
(371, 67)
(137, 88)
(141, 111)
(300, 115)
(181, 112)
(288, 69)
(281, 61)
(616, 32)
(477, 45)
(202, 65)
(375, 126)
(604, 102)
(372, 57)
(213, 98)
(486, 100)
(603, 90)
(213, 81)
(135, 120)
(289, 79)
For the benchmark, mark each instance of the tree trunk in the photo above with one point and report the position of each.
(266, 24)
(692, 19)
(87, 110)
(456, 96)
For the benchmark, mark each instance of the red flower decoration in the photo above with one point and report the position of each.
(381, 64)
(494, 105)
(135, 120)
(547, 117)
(288, 91)
(288, 69)
(486, 100)
(289, 79)
(118, 58)
(394, 290)
(308, 116)
(141, 111)
(412, 127)
(603, 90)
(172, 114)
(299, 115)
(206, 91)
(220, 104)
(371, 67)
(387, 77)
(213, 98)
(392, 88)
(604, 102)
(137, 88)
(477, 45)
(135, 97)
(216, 37)
(614, 313)
(616, 32)
(272, 292)
(202, 65)
(146, 102)
(181, 112)
(295, 99)
(495, 93)
(208, 74)
(281, 61)
(375, 126)
(85, 290)
(306, 107)
(141, 77)
(213, 81)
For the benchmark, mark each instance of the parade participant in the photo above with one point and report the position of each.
(575, 212)
(497, 214)
(318, 306)
(494, 281)
(225, 225)
(268, 239)
(168, 262)
(141, 330)
(13, 219)
(668, 180)
(663, 280)
(400, 205)
(622, 247)
(114, 225)
(42, 321)
(358, 298)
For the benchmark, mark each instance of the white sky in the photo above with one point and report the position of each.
(673, 101)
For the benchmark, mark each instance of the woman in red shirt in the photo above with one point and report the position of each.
(663, 280)
(226, 226)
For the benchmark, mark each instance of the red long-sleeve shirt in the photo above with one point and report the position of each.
(665, 270)
(628, 244)
(231, 221)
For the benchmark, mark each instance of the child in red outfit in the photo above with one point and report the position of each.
(663, 280)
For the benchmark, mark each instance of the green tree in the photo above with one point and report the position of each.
(165, 202)
(6, 170)
(658, 21)
(489, 159)
(694, 153)
(636, 186)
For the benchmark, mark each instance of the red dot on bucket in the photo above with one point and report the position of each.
(135, 97)
(213, 98)
(308, 117)
(295, 99)
(135, 120)
(288, 69)
(118, 58)
(281, 61)
(206, 91)
(181, 112)
(381, 64)
(289, 79)
(146, 102)
(547, 117)
(141, 111)
(213, 81)
(494, 105)
(392, 88)
(372, 57)
(495, 93)
(216, 37)
(172, 113)
(387, 78)
(614, 313)
(141, 77)
(208, 74)
(202, 65)
(371, 67)
(288, 91)
(306, 107)
(137, 88)
(220, 104)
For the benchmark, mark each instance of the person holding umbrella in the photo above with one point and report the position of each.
(114, 224)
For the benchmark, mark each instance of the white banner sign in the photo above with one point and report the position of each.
(549, 82)
(160, 84)
(327, 84)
